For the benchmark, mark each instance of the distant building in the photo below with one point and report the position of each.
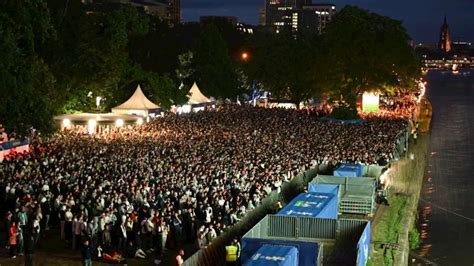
(245, 28)
(297, 16)
(444, 37)
(227, 21)
(324, 14)
(461, 47)
(174, 11)
(262, 17)
(281, 15)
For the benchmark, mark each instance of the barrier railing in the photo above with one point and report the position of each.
(214, 254)
(13, 147)
(13, 144)
(350, 229)
(290, 227)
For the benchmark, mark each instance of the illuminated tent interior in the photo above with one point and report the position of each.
(97, 121)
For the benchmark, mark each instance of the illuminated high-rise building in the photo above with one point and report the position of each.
(174, 11)
(297, 16)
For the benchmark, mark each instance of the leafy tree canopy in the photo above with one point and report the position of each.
(215, 71)
(25, 80)
(366, 52)
(285, 65)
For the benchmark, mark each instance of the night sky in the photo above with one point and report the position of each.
(422, 18)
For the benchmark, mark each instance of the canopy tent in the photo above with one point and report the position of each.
(195, 96)
(138, 104)
(273, 255)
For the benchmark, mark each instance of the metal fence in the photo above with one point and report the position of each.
(350, 229)
(317, 228)
(282, 226)
(314, 228)
(301, 227)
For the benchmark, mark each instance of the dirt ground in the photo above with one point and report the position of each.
(51, 251)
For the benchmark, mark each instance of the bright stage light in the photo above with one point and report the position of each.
(119, 123)
(91, 124)
(66, 123)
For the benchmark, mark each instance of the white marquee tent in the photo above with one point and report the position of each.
(195, 96)
(138, 104)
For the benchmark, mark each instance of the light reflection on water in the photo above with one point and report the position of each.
(446, 205)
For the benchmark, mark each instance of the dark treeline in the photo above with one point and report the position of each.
(57, 56)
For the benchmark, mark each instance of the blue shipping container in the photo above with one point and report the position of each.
(323, 188)
(308, 252)
(350, 170)
(312, 204)
(273, 255)
(363, 246)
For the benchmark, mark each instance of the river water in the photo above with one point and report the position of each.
(446, 211)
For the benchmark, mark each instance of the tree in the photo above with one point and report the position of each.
(215, 71)
(366, 52)
(284, 65)
(104, 58)
(159, 88)
(25, 80)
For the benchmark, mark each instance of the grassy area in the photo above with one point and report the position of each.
(393, 223)
(388, 230)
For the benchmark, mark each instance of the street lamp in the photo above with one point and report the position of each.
(245, 56)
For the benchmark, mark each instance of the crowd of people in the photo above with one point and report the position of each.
(137, 190)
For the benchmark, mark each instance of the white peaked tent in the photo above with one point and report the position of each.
(138, 104)
(195, 96)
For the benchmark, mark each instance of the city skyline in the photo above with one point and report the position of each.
(422, 18)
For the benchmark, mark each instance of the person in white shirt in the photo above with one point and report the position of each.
(208, 212)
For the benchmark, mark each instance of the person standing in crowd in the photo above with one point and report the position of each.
(20, 244)
(22, 217)
(62, 217)
(86, 253)
(122, 237)
(239, 249)
(12, 239)
(68, 228)
(232, 253)
(164, 228)
(179, 259)
(30, 244)
(8, 223)
(91, 234)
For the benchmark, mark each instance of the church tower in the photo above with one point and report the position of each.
(444, 38)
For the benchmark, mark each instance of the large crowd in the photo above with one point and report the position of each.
(178, 179)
